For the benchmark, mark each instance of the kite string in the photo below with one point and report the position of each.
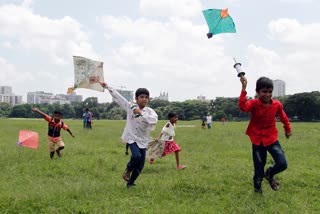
(216, 25)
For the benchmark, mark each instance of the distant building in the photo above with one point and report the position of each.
(279, 88)
(201, 98)
(5, 90)
(6, 96)
(163, 96)
(126, 94)
(73, 97)
(40, 97)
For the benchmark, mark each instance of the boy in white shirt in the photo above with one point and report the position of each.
(140, 121)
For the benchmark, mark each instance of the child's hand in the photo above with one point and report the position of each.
(288, 135)
(35, 109)
(244, 82)
(136, 111)
(103, 84)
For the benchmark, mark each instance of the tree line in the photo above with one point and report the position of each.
(300, 107)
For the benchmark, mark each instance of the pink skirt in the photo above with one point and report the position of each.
(170, 147)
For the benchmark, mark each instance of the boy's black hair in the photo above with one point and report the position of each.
(171, 115)
(140, 91)
(263, 82)
(57, 112)
(87, 109)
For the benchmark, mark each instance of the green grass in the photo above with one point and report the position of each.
(218, 177)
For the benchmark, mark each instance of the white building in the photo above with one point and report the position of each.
(40, 97)
(163, 96)
(201, 98)
(126, 94)
(6, 96)
(279, 88)
(73, 97)
(5, 90)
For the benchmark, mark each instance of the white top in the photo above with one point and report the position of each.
(137, 128)
(209, 119)
(168, 132)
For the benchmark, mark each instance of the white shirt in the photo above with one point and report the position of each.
(168, 132)
(137, 129)
(209, 119)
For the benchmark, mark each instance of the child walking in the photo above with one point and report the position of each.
(166, 135)
(140, 121)
(55, 125)
(263, 132)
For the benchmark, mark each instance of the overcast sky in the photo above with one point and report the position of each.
(160, 45)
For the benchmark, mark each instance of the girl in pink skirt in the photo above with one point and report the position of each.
(167, 135)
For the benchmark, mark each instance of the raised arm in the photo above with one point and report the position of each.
(39, 112)
(118, 98)
(243, 103)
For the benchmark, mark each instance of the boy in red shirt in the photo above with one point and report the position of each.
(54, 127)
(263, 132)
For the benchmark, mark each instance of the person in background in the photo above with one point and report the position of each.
(89, 116)
(209, 121)
(84, 119)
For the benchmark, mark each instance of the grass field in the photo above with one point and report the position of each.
(218, 177)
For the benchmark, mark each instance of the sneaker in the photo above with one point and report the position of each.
(258, 190)
(181, 167)
(51, 155)
(274, 184)
(59, 153)
(130, 185)
(126, 175)
(151, 160)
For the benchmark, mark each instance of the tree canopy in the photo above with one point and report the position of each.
(302, 106)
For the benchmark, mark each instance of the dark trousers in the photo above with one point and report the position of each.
(88, 126)
(259, 155)
(136, 163)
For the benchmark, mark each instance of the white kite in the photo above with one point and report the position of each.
(87, 74)
(155, 149)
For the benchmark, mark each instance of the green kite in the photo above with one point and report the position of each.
(219, 21)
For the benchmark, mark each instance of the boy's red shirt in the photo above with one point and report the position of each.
(262, 125)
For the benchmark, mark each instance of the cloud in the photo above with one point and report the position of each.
(295, 58)
(167, 55)
(292, 33)
(10, 76)
(169, 8)
(57, 39)
(43, 47)
(27, 3)
(297, 1)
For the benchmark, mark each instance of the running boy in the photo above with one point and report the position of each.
(54, 127)
(263, 132)
(140, 121)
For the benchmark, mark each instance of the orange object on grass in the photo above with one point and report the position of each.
(28, 139)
